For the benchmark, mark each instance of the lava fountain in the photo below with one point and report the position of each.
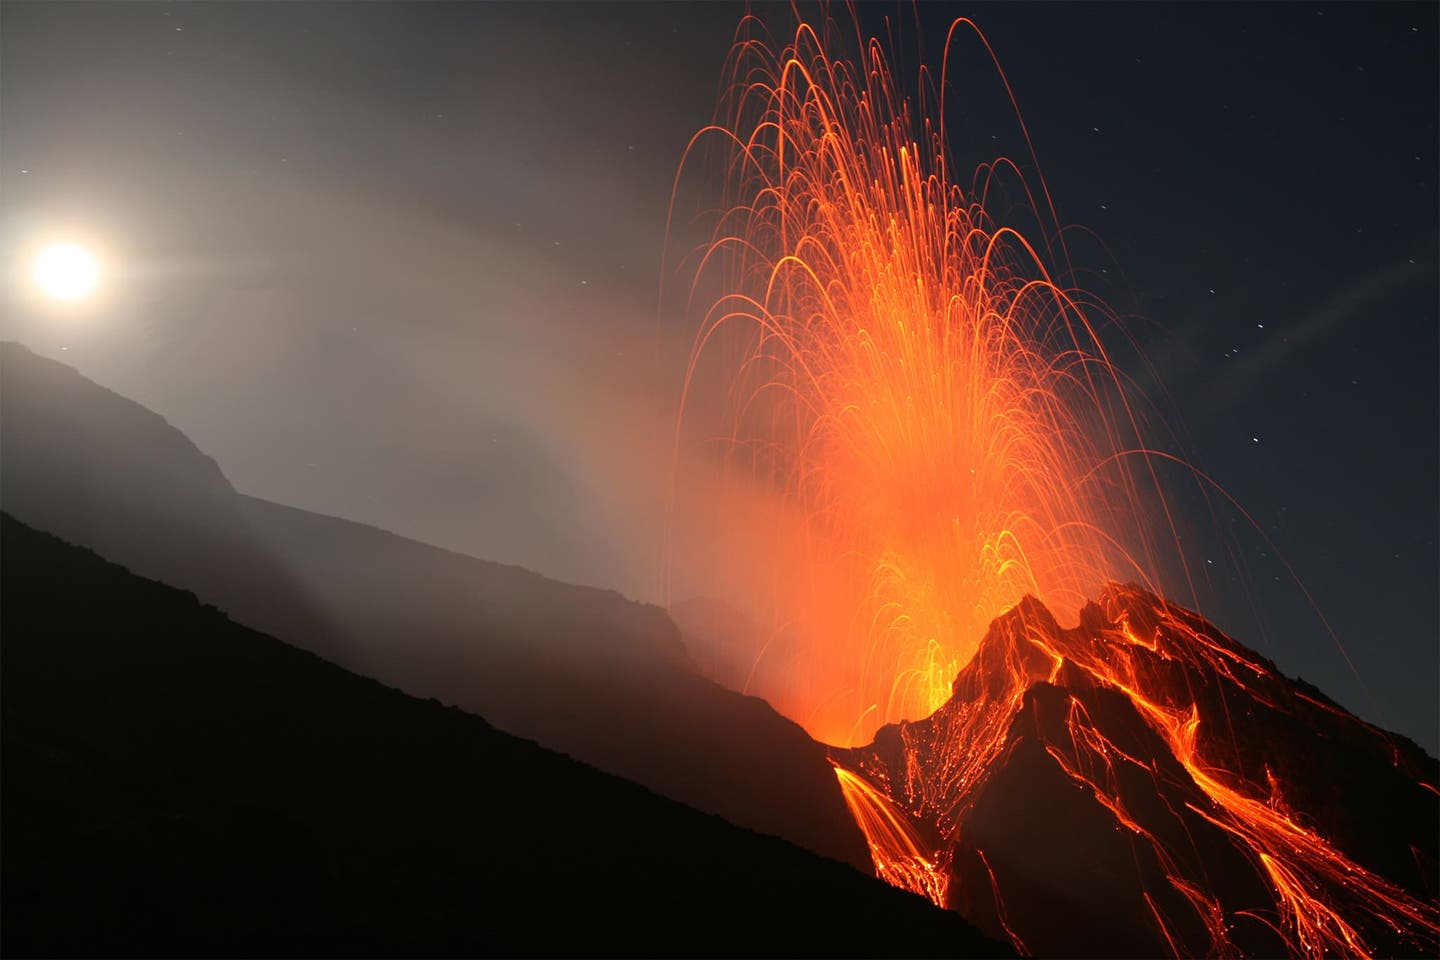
(936, 423)
(929, 409)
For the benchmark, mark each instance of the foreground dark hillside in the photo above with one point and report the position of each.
(94, 468)
(175, 783)
(581, 670)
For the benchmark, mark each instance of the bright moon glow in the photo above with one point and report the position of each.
(66, 272)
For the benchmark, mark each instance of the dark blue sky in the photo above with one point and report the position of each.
(1264, 177)
(399, 262)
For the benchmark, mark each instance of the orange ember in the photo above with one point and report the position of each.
(934, 417)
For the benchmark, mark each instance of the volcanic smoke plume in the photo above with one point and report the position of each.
(941, 434)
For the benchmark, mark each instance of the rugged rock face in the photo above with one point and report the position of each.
(1143, 785)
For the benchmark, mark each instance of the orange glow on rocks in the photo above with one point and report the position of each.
(1137, 709)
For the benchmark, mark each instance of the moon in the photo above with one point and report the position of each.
(66, 271)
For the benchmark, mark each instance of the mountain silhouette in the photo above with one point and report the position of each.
(581, 670)
(96, 469)
(1143, 785)
(178, 784)
(725, 644)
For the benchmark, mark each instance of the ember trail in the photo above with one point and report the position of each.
(944, 437)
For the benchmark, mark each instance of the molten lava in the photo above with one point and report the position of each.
(1194, 779)
(896, 850)
(941, 437)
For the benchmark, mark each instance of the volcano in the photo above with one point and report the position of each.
(1144, 785)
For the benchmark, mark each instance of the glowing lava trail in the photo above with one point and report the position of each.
(894, 846)
(938, 431)
(1224, 850)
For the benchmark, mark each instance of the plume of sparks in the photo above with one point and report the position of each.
(932, 413)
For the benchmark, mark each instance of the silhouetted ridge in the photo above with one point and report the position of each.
(579, 669)
(582, 670)
(94, 468)
(177, 784)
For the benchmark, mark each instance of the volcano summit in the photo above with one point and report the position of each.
(1143, 785)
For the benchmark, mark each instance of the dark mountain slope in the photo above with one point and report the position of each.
(1143, 785)
(582, 670)
(175, 783)
(723, 642)
(96, 469)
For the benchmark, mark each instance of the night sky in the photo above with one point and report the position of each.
(400, 262)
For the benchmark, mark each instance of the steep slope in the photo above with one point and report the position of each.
(177, 784)
(97, 469)
(1143, 785)
(724, 643)
(581, 670)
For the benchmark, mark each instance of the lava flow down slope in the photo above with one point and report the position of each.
(1143, 785)
(934, 445)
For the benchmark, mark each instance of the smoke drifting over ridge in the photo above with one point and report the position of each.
(426, 301)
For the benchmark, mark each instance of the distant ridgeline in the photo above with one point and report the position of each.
(580, 670)
(178, 784)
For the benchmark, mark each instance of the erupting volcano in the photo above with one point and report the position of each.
(934, 417)
(1158, 788)
(941, 431)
